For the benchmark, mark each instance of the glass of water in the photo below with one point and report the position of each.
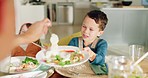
(119, 67)
(135, 52)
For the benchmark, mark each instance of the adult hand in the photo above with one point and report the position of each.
(35, 31)
(92, 55)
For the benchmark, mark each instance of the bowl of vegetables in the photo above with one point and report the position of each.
(21, 64)
(65, 56)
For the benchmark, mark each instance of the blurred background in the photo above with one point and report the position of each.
(127, 19)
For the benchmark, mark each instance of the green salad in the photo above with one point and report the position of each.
(59, 60)
(28, 60)
(65, 57)
(27, 64)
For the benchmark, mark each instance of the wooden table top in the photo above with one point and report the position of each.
(143, 64)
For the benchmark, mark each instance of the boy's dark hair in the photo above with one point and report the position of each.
(99, 17)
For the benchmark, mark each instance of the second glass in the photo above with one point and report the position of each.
(135, 52)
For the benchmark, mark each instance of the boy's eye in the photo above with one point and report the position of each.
(91, 30)
(84, 26)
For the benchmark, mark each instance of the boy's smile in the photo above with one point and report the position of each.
(89, 30)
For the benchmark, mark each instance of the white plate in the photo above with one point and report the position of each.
(41, 55)
(17, 61)
(35, 74)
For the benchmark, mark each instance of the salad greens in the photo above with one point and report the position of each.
(70, 57)
(74, 57)
(27, 60)
(59, 60)
(57, 57)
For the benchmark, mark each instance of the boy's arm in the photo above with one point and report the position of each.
(100, 53)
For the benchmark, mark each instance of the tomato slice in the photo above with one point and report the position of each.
(68, 51)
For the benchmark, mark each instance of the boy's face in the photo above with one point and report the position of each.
(89, 29)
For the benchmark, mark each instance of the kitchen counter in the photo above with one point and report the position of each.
(125, 26)
(124, 8)
(118, 49)
(106, 7)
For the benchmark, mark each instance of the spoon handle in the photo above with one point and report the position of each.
(50, 31)
(139, 60)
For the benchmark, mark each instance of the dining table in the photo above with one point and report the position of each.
(86, 70)
(80, 71)
(143, 65)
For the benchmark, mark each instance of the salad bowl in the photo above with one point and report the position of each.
(65, 56)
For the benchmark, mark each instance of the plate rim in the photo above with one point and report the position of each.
(75, 64)
(24, 71)
(7, 76)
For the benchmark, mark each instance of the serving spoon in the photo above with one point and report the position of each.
(139, 60)
(47, 70)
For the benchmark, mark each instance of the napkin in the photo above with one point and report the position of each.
(99, 69)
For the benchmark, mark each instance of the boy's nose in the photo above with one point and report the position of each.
(86, 30)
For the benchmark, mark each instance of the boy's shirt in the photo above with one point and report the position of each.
(100, 50)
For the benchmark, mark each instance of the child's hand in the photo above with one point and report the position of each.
(92, 55)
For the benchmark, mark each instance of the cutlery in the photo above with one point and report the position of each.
(139, 60)
(47, 70)
(44, 42)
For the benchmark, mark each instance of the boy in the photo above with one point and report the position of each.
(92, 28)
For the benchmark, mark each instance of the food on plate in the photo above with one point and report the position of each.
(76, 57)
(67, 51)
(25, 65)
(65, 57)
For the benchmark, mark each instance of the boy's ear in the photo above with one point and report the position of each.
(100, 33)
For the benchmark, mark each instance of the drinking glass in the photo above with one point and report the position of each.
(135, 52)
(119, 67)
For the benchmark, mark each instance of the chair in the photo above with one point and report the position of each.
(66, 40)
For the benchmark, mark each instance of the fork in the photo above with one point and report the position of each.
(47, 70)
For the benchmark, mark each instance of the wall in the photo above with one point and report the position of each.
(54, 1)
(80, 10)
(28, 13)
(136, 2)
(17, 14)
(127, 27)
(146, 36)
